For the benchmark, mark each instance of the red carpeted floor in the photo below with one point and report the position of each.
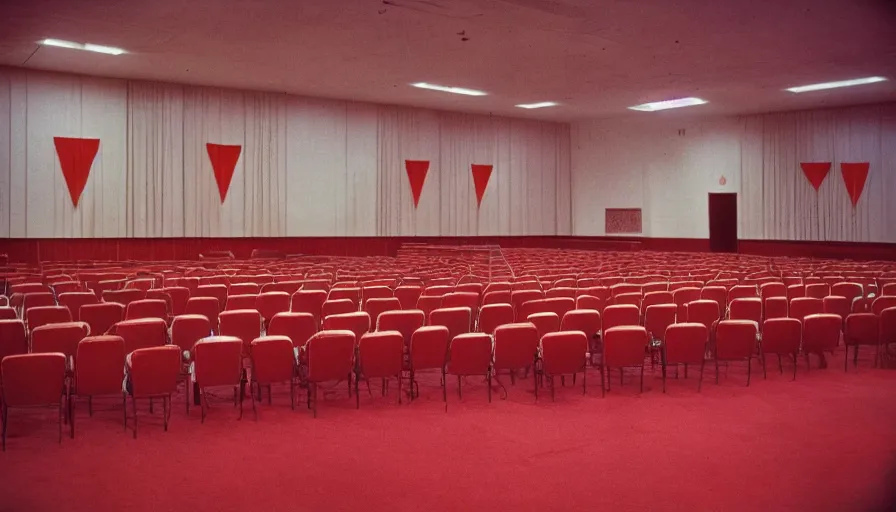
(826, 441)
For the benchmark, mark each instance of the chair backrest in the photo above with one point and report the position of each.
(206, 306)
(590, 302)
(746, 308)
(564, 352)
(44, 315)
(848, 290)
(100, 367)
(298, 327)
(124, 297)
(357, 322)
(437, 290)
(32, 379)
(429, 303)
(179, 296)
(496, 297)
(246, 301)
(743, 291)
(379, 305)
(8, 313)
(408, 295)
(218, 291)
(621, 315)
(624, 346)
(520, 297)
(883, 302)
(774, 307)
(457, 320)
(404, 321)
(685, 343)
(309, 301)
(243, 289)
(429, 347)
(657, 318)
(101, 317)
(628, 298)
(377, 292)
(561, 291)
(461, 299)
(338, 307)
(587, 321)
(624, 288)
(781, 335)
(470, 354)
(154, 370)
(704, 311)
(74, 300)
(331, 355)
(516, 345)
(142, 333)
(186, 330)
(818, 290)
(801, 307)
(821, 332)
(273, 359)
(218, 361)
(655, 298)
(269, 304)
(381, 354)
(682, 297)
(862, 329)
(736, 339)
(888, 326)
(545, 322)
(837, 305)
(353, 294)
(244, 324)
(13, 339)
(147, 308)
(37, 299)
(556, 305)
(63, 338)
(795, 290)
(767, 290)
(718, 294)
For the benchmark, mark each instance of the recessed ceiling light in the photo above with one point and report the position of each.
(663, 105)
(834, 85)
(452, 90)
(109, 50)
(543, 104)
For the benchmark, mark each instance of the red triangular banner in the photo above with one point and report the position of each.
(224, 159)
(854, 176)
(481, 175)
(76, 157)
(816, 172)
(417, 170)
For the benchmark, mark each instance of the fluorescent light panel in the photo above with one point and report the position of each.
(543, 104)
(109, 50)
(834, 85)
(663, 105)
(452, 90)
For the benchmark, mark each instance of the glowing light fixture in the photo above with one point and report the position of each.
(663, 105)
(90, 47)
(543, 104)
(835, 85)
(452, 90)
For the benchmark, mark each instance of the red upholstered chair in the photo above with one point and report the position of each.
(457, 320)
(861, 329)
(44, 315)
(682, 297)
(377, 306)
(244, 324)
(218, 291)
(557, 305)
(718, 294)
(62, 338)
(34, 300)
(590, 302)
(767, 290)
(883, 302)
(352, 294)
(544, 323)
(706, 312)
(460, 300)
(8, 313)
(243, 289)
(317, 285)
(32, 380)
(848, 290)
(298, 327)
(404, 321)
(774, 307)
(147, 308)
(179, 297)
(621, 315)
(736, 341)
(205, 306)
(273, 362)
(685, 343)
(428, 351)
(781, 336)
(142, 333)
(587, 321)
(561, 291)
(795, 291)
(801, 307)
(309, 301)
(269, 304)
(124, 297)
(743, 291)
(746, 308)
(887, 328)
(437, 290)
(628, 298)
(235, 302)
(496, 297)
(469, 354)
(101, 317)
(520, 297)
(837, 305)
(516, 348)
(377, 292)
(428, 304)
(186, 330)
(564, 353)
(338, 307)
(657, 318)
(493, 315)
(408, 296)
(656, 298)
(152, 373)
(380, 356)
(74, 300)
(329, 356)
(13, 338)
(818, 290)
(357, 322)
(623, 347)
(100, 371)
(219, 363)
(821, 333)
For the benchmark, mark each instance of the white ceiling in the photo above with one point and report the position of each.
(596, 57)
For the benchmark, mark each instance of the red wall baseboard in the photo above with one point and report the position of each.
(33, 250)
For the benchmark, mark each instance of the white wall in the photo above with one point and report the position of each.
(668, 167)
(308, 167)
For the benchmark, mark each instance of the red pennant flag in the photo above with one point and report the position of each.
(481, 174)
(854, 176)
(417, 170)
(76, 157)
(816, 172)
(223, 160)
